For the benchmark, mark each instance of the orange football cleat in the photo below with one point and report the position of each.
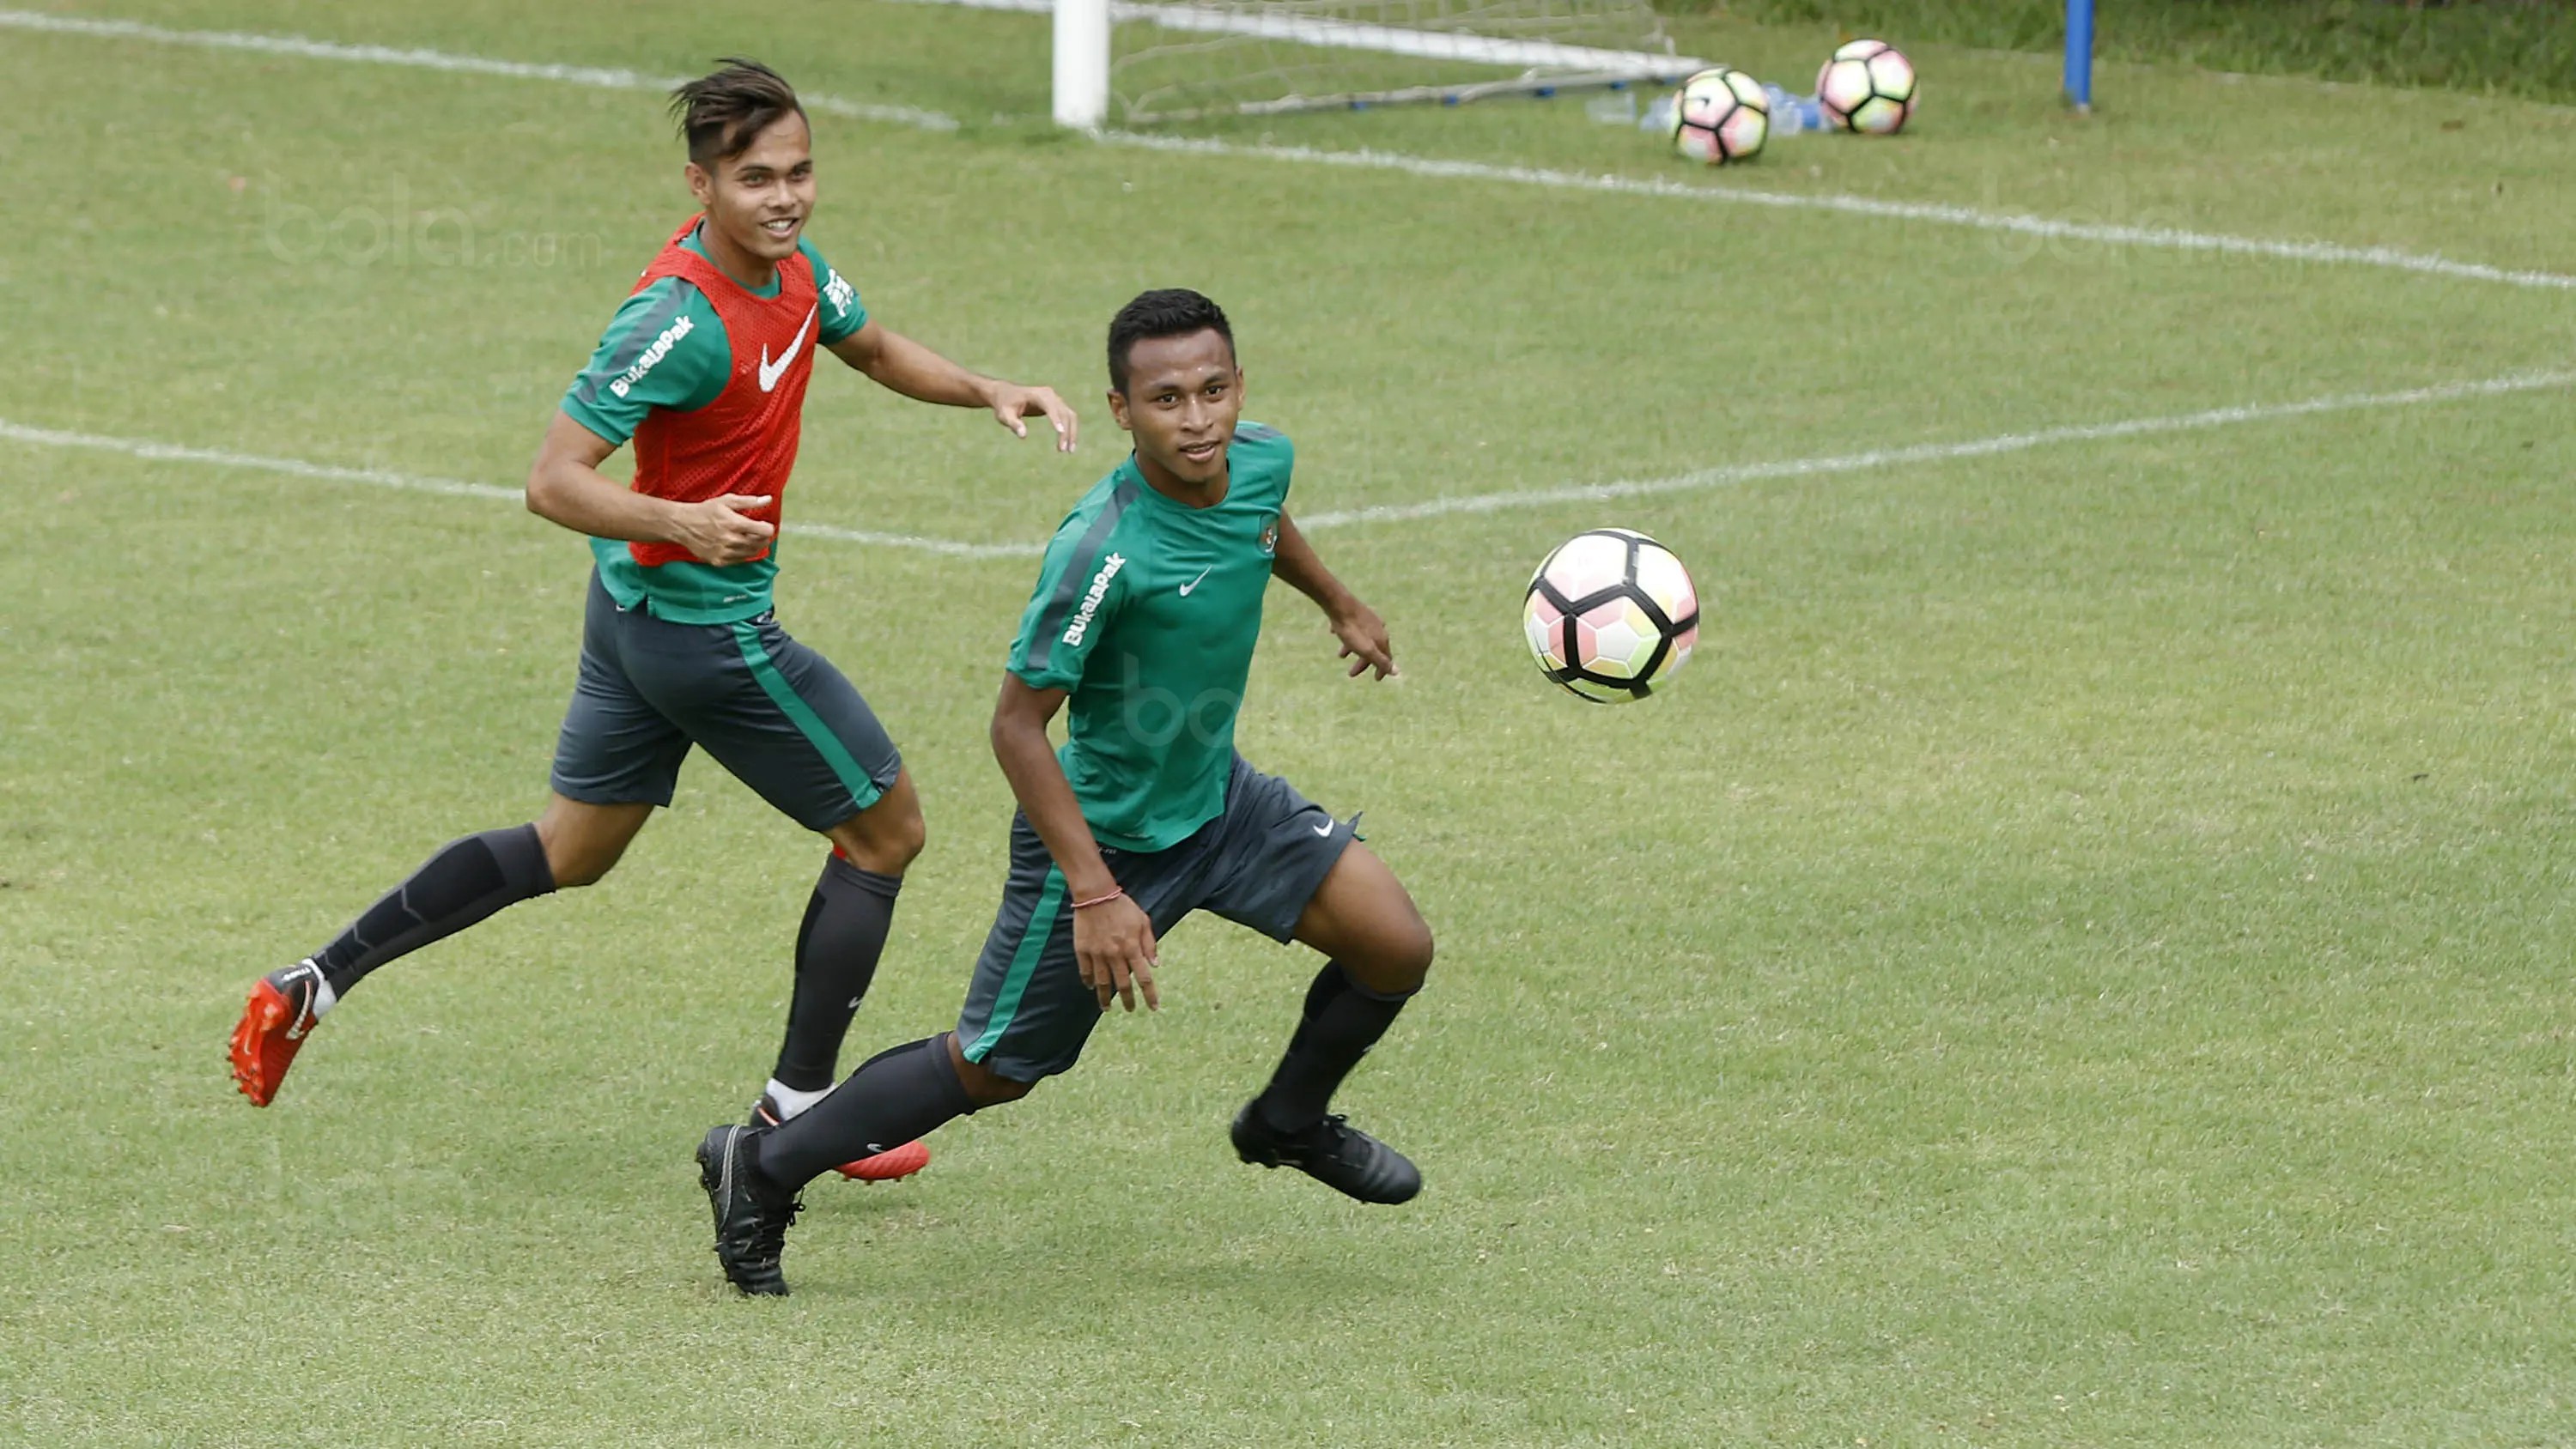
(888, 1165)
(279, 1016)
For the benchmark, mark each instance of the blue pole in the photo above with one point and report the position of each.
(2079, 53)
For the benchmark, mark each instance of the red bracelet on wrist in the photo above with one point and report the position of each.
(1114, 893)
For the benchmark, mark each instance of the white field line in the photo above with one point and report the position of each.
(453, 487)
(1734, 473)
(1325, 32)
(293, 467)
(2033, 226)
(1700, 480)
(2164, 238)
(296, 45)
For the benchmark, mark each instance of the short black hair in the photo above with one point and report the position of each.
(1166, 312)
(720, 115)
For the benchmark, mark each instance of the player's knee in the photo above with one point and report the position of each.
(884, 841)
(1410, 953)
(905, 839)
(1395, 961)
(994, 1091)
(575, 862)
(582, 872)
(984, 1087)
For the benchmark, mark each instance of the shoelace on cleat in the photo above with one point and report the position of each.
(1362, 1154)
(769, 1232)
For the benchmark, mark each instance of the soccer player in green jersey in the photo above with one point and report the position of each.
(1142, 626)
(704, 368)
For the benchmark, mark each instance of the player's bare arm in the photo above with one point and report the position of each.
(566, 487)
(1178, 545)
(896, 362)
(1362, 632)
(1113, 941)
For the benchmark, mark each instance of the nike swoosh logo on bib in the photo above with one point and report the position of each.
(770, 372)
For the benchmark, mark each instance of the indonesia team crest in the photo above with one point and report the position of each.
(1270, 534)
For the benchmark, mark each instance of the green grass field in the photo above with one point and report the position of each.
(2082, 956)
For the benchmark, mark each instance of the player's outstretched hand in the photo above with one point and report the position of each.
(1113, 943)
(1012, 402)
(722, 530)
(1364, 641)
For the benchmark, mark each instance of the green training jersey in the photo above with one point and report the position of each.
(1145, 613)
(666, 348)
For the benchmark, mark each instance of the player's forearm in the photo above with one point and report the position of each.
(564, 491)
(1037, 780)
(907, 367)
(1297, 565)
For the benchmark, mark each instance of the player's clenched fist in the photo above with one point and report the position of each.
(722, 530)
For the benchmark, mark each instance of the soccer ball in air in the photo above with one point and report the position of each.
(1868, 86)
(1611, 615)
(1721, 115)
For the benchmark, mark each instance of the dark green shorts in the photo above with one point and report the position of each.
(1257, 864)
(773, 712)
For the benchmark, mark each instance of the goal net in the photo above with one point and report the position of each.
(1144, 61)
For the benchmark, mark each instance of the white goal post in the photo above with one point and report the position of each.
(1082, 63)
(1164, 60)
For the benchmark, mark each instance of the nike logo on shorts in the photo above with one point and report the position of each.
(770, 372)
(1194, 583)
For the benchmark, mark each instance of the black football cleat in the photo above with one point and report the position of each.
(750, 1233)
(1333, 1152)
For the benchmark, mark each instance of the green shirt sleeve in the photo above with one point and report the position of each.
(1263, 457)
(843, 312)
(665, 348)
(1078, 597)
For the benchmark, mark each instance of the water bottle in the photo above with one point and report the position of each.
(1658, 119)
(1792, 114)
(1616, 107)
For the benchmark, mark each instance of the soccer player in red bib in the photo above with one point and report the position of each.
(704, 369)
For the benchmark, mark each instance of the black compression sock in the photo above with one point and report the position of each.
(894, 1097)
(465, 881)
(1343, 1020)
(836, 957)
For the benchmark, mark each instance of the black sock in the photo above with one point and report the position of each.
(836, 958)
(894, 1097)
(1343, 1020)
(467, 880)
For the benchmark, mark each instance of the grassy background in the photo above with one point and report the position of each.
(2524, 48)
(2081, 958)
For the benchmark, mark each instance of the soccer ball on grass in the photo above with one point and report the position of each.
(1721, 115)
(1869, 86)
(1611, 615)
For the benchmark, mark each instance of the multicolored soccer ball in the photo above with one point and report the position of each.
(1869, 86)
(1611, 615)
(1721, 115)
